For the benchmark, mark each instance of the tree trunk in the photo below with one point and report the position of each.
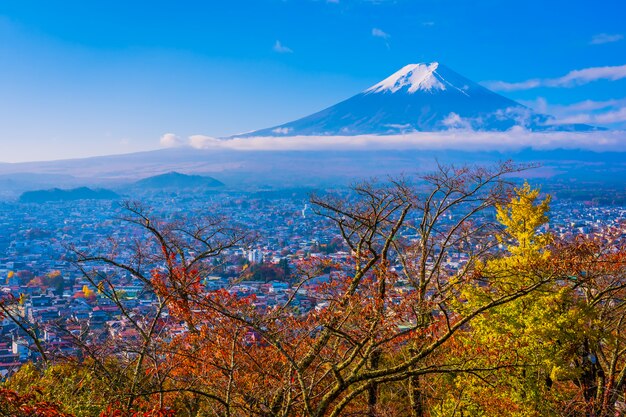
(416, 397)
(372, 390)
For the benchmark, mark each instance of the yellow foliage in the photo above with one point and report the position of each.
(88, 293)
(522, 217)
(522, 331)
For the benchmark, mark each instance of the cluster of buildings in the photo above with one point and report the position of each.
(41, 287)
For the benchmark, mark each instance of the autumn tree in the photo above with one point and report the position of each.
(430, 263)
(381, 320)
(562, 349)
(518, 335)
(74, 387)
(168, 261)
(594, 356)
(28, 405)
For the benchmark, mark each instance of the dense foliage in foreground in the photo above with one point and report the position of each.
(525, 326)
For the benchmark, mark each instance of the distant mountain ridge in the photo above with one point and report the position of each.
(419, 98)
(57, 194)
(314, 168)
(176, 180)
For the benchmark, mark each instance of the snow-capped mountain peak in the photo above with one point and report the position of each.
(427, 97)
(414, 77)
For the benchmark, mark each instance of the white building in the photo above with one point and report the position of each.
(255, 256)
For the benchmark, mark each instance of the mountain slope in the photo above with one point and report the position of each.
(419, 97)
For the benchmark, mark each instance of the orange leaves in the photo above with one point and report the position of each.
(28, 405)
(116, 410)
(158, 281)
(393, 309)
(54, 274)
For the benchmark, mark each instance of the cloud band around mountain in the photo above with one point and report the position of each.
(514, 139)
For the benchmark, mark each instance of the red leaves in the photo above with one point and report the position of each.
(117, 411)
(27, 405)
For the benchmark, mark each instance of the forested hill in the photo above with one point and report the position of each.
(178, 181)
(57, 194)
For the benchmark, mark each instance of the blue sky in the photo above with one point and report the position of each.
(80, 78)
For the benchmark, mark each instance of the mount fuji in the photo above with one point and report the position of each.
(420, 98)
(422, 115)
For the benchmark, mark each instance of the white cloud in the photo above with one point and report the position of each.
(606, 112)
(514, 139)
(170, 140)
(282, 49)
(282, 130)
(203, 141)
(587, 75)
(605, 118)
(601, 38)
(406, 126)
(571, 79)
(611, 117)
(541, 105)
(379, 33)
(506, 86)
(454, 121)
(591, 105)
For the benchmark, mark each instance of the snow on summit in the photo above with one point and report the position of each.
(414, 76)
